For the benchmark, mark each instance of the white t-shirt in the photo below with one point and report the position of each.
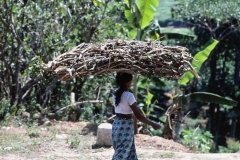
(127, 99)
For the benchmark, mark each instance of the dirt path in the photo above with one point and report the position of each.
(106, 154)
(153, 154)
(76, 141)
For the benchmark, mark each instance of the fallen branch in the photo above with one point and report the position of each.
(77, 103)
(111, 117)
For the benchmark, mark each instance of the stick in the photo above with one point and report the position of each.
(185, 116)
(77, 103)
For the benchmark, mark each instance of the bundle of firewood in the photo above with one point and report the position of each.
(136, 57)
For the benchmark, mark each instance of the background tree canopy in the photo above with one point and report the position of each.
(220, 20)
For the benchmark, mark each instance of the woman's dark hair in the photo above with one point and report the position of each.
(121, 79)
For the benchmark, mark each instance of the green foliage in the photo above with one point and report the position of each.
(182, 32)
(158, 155)
(139, 15)
(226, 108)
(6, 109)
(192, 122)
(13, 110)
(112, 26)
(133, 33)
(202, 56)
(11, 142)
(198, 60)
(219, 9)
(132, 13)
(218, 19)
(97, 87)
(74, 141)
(197, 140)
(205, 97)
(152, 31)
(41, 30)
(233, 146)
(222, 149)
(35, 67)
(147, 107)
(33, 130)
(149, 98)
(147, 9)
(164, 10)
(155, 132)
(156, 86)
(148, 90)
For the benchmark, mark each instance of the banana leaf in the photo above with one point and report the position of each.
(206, 97)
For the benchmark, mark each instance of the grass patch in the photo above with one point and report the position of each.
(79, 142)
(163, 155)
(30, 140)
(99, 150)
(74, 142)
(10, 142)
(15, 143)
(142, 155)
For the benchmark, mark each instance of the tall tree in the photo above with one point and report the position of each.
(43, 30)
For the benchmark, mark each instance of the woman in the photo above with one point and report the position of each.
(123, 128)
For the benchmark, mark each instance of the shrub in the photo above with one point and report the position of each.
(232, 146)
(33, 130)
(5, 108)
(197, 140)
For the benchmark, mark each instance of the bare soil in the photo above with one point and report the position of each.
(76, 141)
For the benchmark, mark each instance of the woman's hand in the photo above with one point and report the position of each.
(143, 119)
(156, 126)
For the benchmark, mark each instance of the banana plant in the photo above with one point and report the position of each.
(204, 97)
(147, 109)
(139, 14)
(198, 60)
(175, 112)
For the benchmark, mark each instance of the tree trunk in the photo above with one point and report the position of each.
(237, 72)
(216, 128)
(236, 83)
(177, 129)
(25, 89)
(233, 128)
(168, 126)
(237, 66)
(211, 119)
(212, 89)
(16, 76)
(212, 80)
(179, 119)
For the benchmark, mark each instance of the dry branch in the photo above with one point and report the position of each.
(136, 57)
(78, 103)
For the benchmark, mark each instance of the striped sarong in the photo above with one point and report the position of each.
(123, 139)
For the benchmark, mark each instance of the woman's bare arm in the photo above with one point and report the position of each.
(142, 118)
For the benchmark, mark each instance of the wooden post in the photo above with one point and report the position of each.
(72, 97)
(135, 81)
